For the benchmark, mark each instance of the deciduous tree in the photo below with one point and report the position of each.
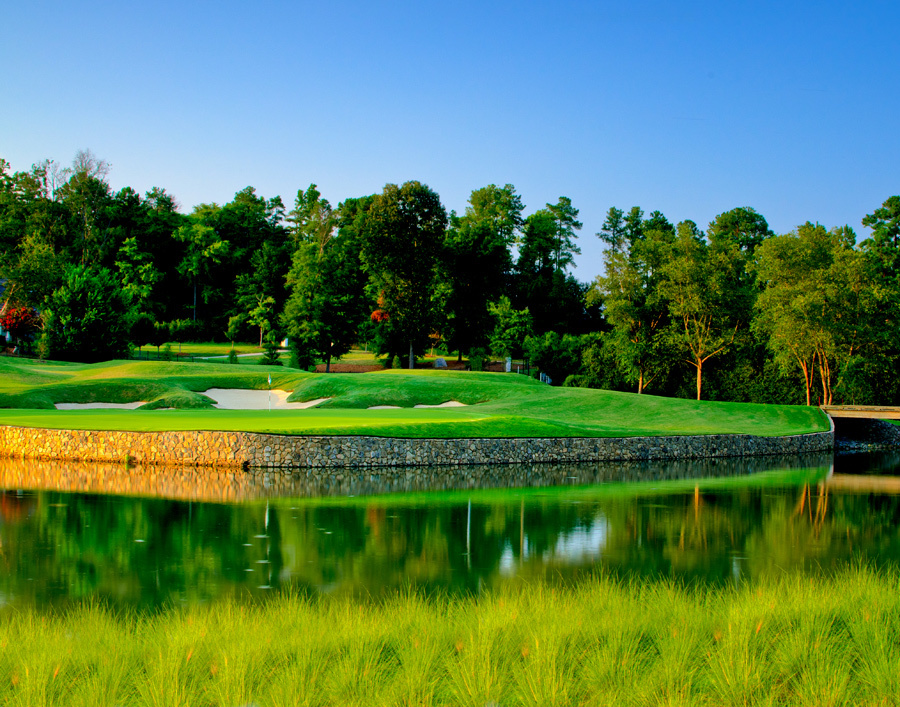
(403, 235)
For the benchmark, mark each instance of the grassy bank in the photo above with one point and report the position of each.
(497, 405)
(801, 640)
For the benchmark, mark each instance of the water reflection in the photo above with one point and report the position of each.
(230, 485)
(61, 540)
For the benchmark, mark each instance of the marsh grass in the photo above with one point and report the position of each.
(799, 640)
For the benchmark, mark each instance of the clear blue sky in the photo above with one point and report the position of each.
(689, 108)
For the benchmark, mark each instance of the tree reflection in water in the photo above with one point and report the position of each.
(61, 543)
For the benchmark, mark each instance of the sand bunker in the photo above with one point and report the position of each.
(236, 399)
(448, 404)
(89, 406)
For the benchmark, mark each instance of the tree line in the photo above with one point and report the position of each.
(734, 312)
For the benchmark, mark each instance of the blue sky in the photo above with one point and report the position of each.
(689, 108)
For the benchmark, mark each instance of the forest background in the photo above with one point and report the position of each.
(733, 312)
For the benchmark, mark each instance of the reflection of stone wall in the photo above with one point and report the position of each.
(247, 449)
(230, 485)
(859, 433)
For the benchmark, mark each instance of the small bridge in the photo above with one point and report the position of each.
(871, 412)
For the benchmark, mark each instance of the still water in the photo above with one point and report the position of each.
(153, 537)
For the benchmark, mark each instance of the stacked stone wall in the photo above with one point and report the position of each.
(248, 449)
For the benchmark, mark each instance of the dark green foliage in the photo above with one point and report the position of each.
(511, 328)
(328, 300)
(271, 347)
(557, 356)
(143, 330)
(742, 226)
(884, 245)
(403, 235)
(748, 315)
(476, 264)
(88, 318)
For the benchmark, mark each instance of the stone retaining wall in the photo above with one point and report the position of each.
(248, 449)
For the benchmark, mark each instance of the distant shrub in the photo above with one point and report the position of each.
(87, 318)
(576, 381)
(166, 353)
(232, 356)
(477, 359)
(396, 362)
(271, 345)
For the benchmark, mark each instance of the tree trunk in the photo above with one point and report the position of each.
(699, 365)
(328, 364)
(806, 381)
(641, 382)
(412, 357)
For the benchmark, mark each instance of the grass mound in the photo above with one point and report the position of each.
(499, 405)
(38, 385)
(409, 388)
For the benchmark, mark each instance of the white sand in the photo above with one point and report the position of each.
(236, 399)
(448, 404)
(88, 406)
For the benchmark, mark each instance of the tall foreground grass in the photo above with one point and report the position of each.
(802, 640)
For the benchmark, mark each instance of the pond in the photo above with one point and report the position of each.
(154, 537)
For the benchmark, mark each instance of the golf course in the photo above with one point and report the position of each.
(173, 396)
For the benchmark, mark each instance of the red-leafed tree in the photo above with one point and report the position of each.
(19, 321)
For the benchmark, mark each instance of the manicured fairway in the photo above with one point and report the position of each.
(497, 405)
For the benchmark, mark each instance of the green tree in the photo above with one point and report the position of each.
(403, 235)
(87, 196)
(33, 233)
(697, 288)
(88, 318)
(204, 249)
(477, 262)
(540, 283)
(499, 208)
(328, 299)
(261, 316)
(743, 226)
(511, 328)
(613, 230)
(816, 308)
(557, 356)
(312, 219)
(633, 301)
(566, 217)
(137, 272)
(884, 244)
